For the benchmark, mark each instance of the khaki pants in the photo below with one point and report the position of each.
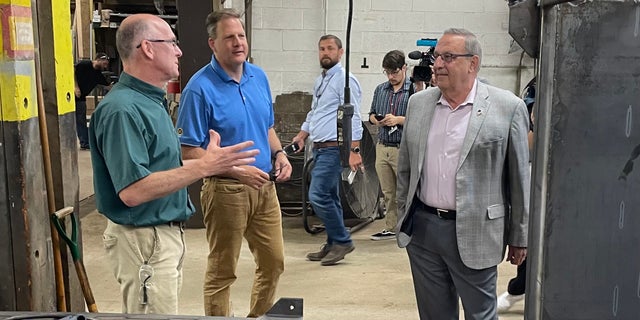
(232, 211)
(146, 259)
(387, 169)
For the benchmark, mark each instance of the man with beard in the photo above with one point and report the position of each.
(321, 127)
(233, 97)
(88, 74)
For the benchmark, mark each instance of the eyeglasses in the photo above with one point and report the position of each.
(448, 57)
(273, 174)
(174, 42)
(391, 73)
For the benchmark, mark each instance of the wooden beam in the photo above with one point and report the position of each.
(83, 17)
(26, 267)
(54, 63)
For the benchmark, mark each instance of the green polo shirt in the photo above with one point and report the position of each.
(131, 136)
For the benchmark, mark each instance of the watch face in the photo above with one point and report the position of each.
(355, 149)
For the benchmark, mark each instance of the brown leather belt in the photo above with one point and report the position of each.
(325, 144)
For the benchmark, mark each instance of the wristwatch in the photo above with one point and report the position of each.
(355, 149)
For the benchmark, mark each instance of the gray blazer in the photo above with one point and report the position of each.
(492, 181)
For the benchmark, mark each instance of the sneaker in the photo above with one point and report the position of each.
(506, 301)
(318, 255)
(337, 253)
(383, 235)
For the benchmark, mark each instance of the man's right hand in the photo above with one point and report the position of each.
(299, 140)
(217, 160)
(251, 176)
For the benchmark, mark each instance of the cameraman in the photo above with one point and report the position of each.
(388, 108)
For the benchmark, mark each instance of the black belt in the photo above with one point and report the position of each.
(222, 178)
(441, 213)
(325, 144)
(391, 144)
(175, 223)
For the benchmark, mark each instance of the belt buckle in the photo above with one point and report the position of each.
(439, 212)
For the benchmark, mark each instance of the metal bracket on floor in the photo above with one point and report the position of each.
(285, 308)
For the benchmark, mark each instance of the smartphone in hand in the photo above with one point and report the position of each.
(352, 175)
(379, 117)
(291, 149)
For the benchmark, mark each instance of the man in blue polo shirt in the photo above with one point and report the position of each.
(139, 178)
(233, 97)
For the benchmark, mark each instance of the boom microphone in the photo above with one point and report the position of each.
(415, 55)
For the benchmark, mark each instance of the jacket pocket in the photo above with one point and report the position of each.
(496, 211)
(490, 143)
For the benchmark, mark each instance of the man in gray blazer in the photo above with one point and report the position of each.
(463, 184)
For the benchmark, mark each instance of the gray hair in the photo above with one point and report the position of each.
(471, 43)
(214, 17)
(128, 33)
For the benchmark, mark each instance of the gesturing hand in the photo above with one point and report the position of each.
(219, 160)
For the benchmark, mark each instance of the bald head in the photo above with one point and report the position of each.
(148, 49)
(132, 30)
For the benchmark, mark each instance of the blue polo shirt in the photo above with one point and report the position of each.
(131, 136)
(237, 111)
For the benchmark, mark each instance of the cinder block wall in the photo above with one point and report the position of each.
(290, 111)
(286, 32)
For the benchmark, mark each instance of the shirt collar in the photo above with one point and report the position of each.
(405, 86)
(147, 89)
(217, 68)
(468, 101)
(335, 69)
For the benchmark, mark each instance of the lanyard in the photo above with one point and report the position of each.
(321, 90)
(393, 105)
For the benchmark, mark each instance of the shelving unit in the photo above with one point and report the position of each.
(109, 15)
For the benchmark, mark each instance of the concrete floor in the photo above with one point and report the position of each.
(373, 282)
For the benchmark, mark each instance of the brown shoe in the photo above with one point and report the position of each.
(318, 255)
(337, 253)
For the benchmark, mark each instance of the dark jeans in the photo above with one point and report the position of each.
(81, 123)
(518, 284)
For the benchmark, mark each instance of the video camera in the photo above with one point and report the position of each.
(422, 72)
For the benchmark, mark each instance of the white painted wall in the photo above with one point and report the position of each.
(286, 32)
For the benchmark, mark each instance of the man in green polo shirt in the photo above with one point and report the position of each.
(139, 178)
